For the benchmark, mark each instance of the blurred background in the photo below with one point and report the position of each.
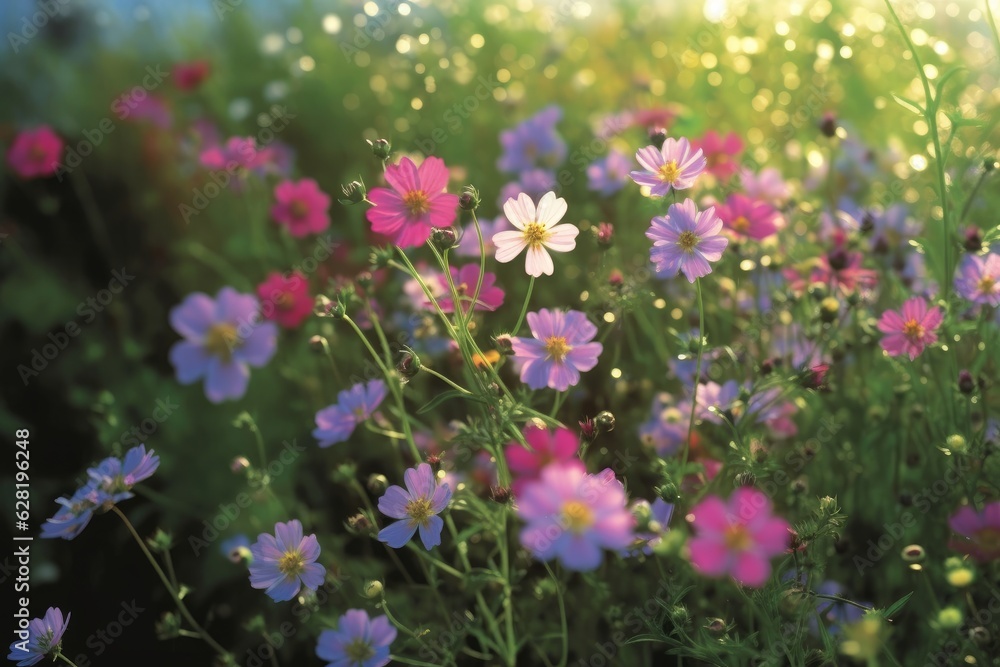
(320, 77)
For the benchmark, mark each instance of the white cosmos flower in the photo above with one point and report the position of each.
(536, 231)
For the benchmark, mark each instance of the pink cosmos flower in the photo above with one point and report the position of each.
(236, 153)
(720, 153)
(739, 537)
(572, 515)
(35, 152)
(537, 231)
(675, 166)
(748, 217)
(547, 447)
(285, 300)
(978, 279)
(465, 279)
(558, 351)
(686, 240)
(301, 206)
(841, 270)
(767, 185)
(977, 533)
(415, 203)
(911, 329)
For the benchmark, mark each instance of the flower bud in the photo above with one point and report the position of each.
(469, 199)
(588, 430)
(444, 238)
(957, 443)
(716, 626)
(989, 164)
(379, 258)
(501, 494)
(160, 542)
(973, 240)
(354, 193)
(168, 627)
(966, 384)
(960, 577)
(364, 280)
(373, 589)
(980, 636)
(377, 483)
(828, 124)
(317, 344)
(745, 478)
(239, 464)
(504, 343)
(605, 421)
(616, 278)
(950, 618)
(818, 291)
(913, 553)
(408, 364)
(657, 136)
(359, 522)
(381, 148)
(605, 234)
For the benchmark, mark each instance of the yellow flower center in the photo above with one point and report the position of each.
(535, 234)
(669, 172)
(557, 347)
(986, 284)
(913, 329)
(737, 538)
(359, 651)
(222, 341)
(292, 563)
(419, 511)
(741, 224)
(284, 301)
(416, 202)
(687, 241)
(298, 208)
(577, 516)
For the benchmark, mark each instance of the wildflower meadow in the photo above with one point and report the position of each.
(558, 333)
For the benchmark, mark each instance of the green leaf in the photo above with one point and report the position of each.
(441, 398)
(897, 605)
(909, 104)
(992, 235)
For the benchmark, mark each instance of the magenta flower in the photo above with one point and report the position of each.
(978, 279)
(285, 562)
(686, 240)
(720, 153)
(842, 271)
(35, 152)
(465, 279)
(559, 349)
(910, 329)
(977, 534)
(285, 300)
(237, 153)
(537, 231)
(739, 537)
(748, 217)
(676, 166)
(572, 515)
(416, 203)
(301, 207)
(546, 447)
(418, 506)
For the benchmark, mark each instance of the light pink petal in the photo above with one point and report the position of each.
(521, 211)
(650, 158)
(403, 177)
(550, 209)
(708, 556)
(433, 175)
(751, 569)
(509, 245)
(538, 261)
(562, 238)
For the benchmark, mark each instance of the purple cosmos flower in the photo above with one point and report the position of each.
(537, 231)
(534, 142)
(534, 183)
(978, 279)
(660, 512)
(223, 339)
(686, 240)
(559, 349)
(609, 174)
(572, 515)
(418, 505)
(977, 533)
(111, 481)
(358, 641)
(468, 245)
(837, 614)
(720, 397)
(336, 422)
(43, 637)
(667, 427)
(284, 563)
(676, 166)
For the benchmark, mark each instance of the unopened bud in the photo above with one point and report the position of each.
(354, 193)
(828, 124)
(239, 464)
(443, 238)
(381, 148)
(469, 199)
(373, 589)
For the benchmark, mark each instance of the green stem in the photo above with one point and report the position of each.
(170, 589)
(410, 661)
(92, 213)
(993, 27)
(60, 656)
(697, 372)
(482, 267)
(385, 608)
(433, 372)
(508, 592)
(562, 618)
(524, 308)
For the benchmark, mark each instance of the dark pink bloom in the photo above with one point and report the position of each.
(841, 270)
(301, 206)
(745, 216)
(465, 279)
(738, 538)
(415, 203)
(977, 533)
(35, 152)
(547, 447)
(721, 153)
(190, 75)
(151, 108)
(910, 329)
(285, 300)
